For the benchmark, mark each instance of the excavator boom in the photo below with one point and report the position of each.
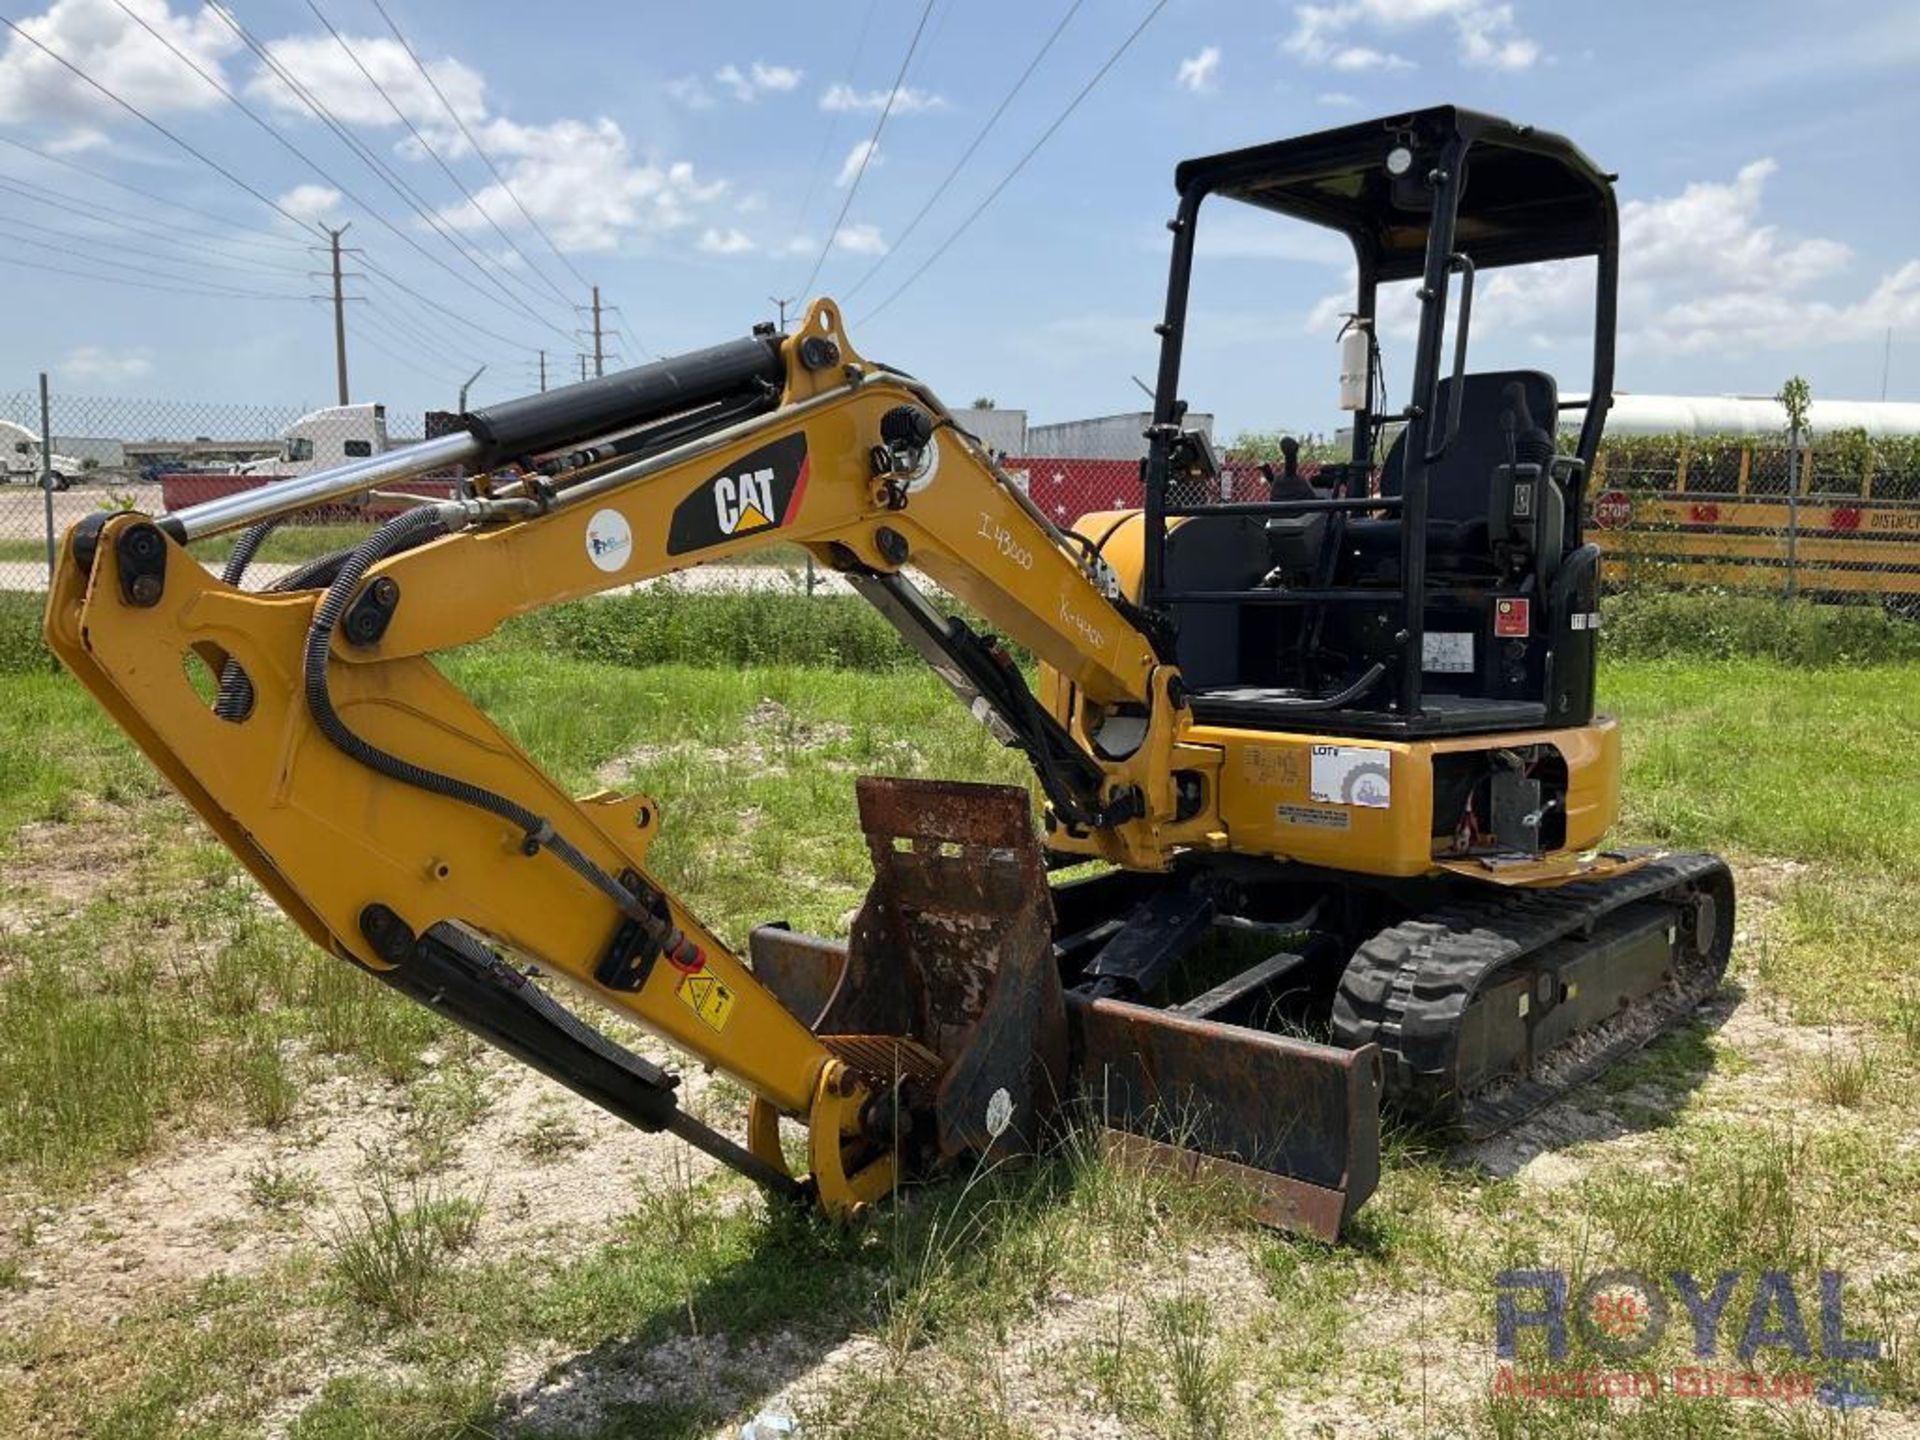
(409, 835)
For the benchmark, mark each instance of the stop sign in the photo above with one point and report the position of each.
(1613, 510)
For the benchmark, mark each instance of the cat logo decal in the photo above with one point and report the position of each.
(760, 491)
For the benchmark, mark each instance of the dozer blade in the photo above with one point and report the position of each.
(1297, 1124)
(953, 951)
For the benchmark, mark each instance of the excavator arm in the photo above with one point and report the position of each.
(407, 834)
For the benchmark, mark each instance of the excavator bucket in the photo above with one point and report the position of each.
(953, 950)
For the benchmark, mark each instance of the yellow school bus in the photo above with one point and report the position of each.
(1837, 522)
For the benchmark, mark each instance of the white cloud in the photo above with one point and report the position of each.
(1486, 34)
(329, 74)
(1337, 98)
(724, 242)
(864, 154)
(861, 239)
(1700, 271)
(1488, 39)
(76, 141)
(1200, 73)
(312, 203)
(101, 39)
(97, 365)
(580, 177)
(1350, 58)
(906, 100)
(581, 181)
(691, 92)
(756, 80)
(778, 78)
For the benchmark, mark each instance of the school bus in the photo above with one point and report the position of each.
(1838, 521)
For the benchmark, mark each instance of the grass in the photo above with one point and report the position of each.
(389, 1256)
(165, 1004)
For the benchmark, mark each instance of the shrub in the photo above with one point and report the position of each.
(1718, 625)
(658, 627)
(21, 648)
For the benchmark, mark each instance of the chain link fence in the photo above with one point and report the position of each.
(1838, 520)
(81, 453)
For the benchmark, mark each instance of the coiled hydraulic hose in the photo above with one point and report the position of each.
(537, 833)
(235, 699)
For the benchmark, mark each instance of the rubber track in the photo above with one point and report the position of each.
(1408, 986)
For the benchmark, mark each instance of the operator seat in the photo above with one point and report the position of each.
(1459, 483)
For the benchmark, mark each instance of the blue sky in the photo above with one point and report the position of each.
(692, 159)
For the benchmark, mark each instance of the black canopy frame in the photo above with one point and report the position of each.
(1472, 192)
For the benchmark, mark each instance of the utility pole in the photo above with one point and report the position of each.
(599, 352)
(339, 312)
(583, 367)
(468, 386)
(782, 304)
(543, 372)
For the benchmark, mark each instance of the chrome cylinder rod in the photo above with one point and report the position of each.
(299, 492)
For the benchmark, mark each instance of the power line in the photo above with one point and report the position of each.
(372, 161)
(142, 116)
(228, 226)
(629, 333)
(1021, 163)
(409, 361)
(115, 279)
(418, 333)
(487, 160)
(940, 190)
(63, 250)
(833, 123)
(437, 308)
(383, 326)
(853, 188)
(99, 215)
(427, 145)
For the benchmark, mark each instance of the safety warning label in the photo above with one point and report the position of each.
(707, 998)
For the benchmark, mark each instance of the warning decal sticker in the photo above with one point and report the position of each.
(1312, 815)
(1513, 619)
(708, 998)
(1447, 652)
(1351, 775)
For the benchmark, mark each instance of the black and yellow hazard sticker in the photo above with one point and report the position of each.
(708, 998)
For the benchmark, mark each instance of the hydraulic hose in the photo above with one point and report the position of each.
(244, 549)
(235, 697)
(537, 833)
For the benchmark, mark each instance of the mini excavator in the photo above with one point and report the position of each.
(1322, 791)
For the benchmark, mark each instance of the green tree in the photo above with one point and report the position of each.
(1796, 396)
